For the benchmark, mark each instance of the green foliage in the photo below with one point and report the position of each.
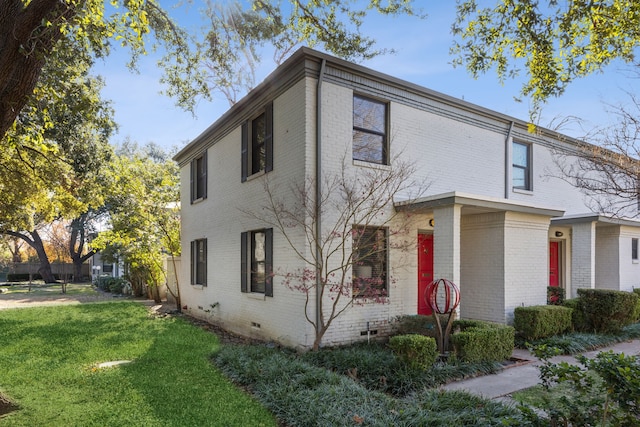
(555, 295)
(553, 42)
(480, 341)
(415, 350)
(637, 311)
(541, 321)
(144, 213)
(114, 285)
(417, 324)
(607, 310)
(579, 321)
(304, 395)
(50, 355)
(604, 391)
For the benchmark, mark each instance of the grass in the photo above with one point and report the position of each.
(38, 288)
(579, 342)
(49, 358)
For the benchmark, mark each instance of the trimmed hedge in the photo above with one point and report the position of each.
(418, 324)
(480, 341)
(541, 321)
(578, 320)
(637, 312)
(608, 311)
(417, 351)
(111, 284)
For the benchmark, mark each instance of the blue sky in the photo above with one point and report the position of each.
(422, 57)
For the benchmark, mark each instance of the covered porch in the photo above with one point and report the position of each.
(495, 250)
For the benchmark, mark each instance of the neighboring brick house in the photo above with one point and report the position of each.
(494, 220)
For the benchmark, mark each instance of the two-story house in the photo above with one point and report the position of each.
(493, 216)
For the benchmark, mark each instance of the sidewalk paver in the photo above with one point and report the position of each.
(524, 375)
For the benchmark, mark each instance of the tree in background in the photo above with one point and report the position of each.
(553, 42)
(237, 35)
(143, 220)
(51, 167)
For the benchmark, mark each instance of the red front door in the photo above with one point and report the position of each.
(425, 270)
(554, 264)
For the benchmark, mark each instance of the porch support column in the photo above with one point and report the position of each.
(446, 243)
(583, 256)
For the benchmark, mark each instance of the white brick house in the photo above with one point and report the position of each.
(493, 220)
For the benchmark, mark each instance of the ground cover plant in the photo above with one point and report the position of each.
(375, 367)
(579, 342)
(301, 394)
(49, 358)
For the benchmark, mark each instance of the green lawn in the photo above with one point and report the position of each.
(48, 359)
(41, 289)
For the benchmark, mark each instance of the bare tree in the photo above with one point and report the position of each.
(609, 171)
(346, 263)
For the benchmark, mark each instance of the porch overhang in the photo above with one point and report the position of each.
(598, 218)
(472, 203)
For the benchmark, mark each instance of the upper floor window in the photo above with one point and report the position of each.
(257, 143)
(369, 261)
(370, 130)
(199, 178)
(634, 249)
(257, 261)
(521, 170)
(199, 262)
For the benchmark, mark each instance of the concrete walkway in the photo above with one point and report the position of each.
(524, 375)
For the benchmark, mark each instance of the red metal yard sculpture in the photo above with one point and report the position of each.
(443, 296)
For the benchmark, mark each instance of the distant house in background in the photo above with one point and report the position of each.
(494, 220)
(101, 267)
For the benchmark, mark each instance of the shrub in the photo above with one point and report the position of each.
(636, 316)
(541, 321)
(578, 320)
(415, 350)
(480, 341)
(605, 391)
(608, 311)
(111, 284)
(416, 324)
(555, 295)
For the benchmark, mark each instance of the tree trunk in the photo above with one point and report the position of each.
(45, 265)
(36, 243)
(77, 240)
(25, 44)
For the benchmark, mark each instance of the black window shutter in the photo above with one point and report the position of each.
(244, 151)
(268, 255)
(193, 261)
(268, 140)
(244, 240)
(205, 167)
(193, 178)
(204, 267)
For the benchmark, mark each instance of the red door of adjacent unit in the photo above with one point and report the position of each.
(425, 270)
(554, 264)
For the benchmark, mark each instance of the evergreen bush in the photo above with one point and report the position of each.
(479, 341)
(541, 321)
(608, 311)
(417, 351)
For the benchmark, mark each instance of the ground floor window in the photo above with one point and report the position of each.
(199, 262)
(370, 259)
(257, 261)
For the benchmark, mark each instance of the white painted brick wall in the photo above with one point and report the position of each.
(583, 257)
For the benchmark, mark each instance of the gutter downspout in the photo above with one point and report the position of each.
(507, 163)
(318, 195)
